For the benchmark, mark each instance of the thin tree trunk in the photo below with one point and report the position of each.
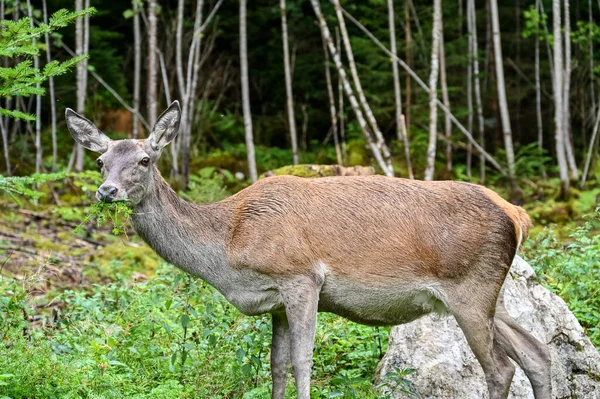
(151, 81)
(446, 101)
(288, 84)
(38, 104)
(506, 129)
(80, 44)
(137, 66)
(395, 72)
(407, 55)
(558, 100)
(591, 44)
(590, 150)
(51, 92)
(332, 110)
(389, 170)
(469, 90)
(246, 93)
(341, 107)
(538, 91)
(566, 95)
(347, 87)
(400, 123)
(433, 78)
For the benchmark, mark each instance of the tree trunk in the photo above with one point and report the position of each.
(433, 78)
(591, 45)
(332, 110)
(288, 84)
(566, 96)
(474, 51)
(411, 176)
(151, 81)
(359, 91)
(51, 91)
(407, 56)
(246, 93)
(341, 107)
(538, 90)
(81, 82)
(38, 103)
(347, 87)
(506, 129)
(591, 149)
(137, 67)
(558, 100)
(395, 72)
(447, 121)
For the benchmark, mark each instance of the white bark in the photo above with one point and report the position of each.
(566, 95)
(38, 104)
(341, 107)
(558, 100)
(81, 88)
(288, 84)
(433, 78)
(360, 93)
(407, 56)
(590, 149)
(472, 19)
(151, 81)
(591, 45)
(395, 72)
(446, 101)
(348, 88)
(502, 103)
(469, 92)
(51, 91)
(332, 110)
(411, 176)
(137, 66)
(246, 93)
(538, 90)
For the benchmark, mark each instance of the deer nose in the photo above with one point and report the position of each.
(107, 193)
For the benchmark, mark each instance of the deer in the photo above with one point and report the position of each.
(375, 250)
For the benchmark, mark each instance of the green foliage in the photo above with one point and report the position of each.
(116, 213)
(571, 270)
(22, 185)
(16, 41)
(208, 186)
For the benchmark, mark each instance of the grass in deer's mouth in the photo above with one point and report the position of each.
(117, 213)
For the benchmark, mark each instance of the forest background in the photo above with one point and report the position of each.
(260, 92)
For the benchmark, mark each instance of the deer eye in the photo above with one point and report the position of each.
(99, 162)
(145, 161)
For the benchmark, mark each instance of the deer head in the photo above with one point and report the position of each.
(128, 166)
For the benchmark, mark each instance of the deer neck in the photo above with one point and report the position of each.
(189, 236)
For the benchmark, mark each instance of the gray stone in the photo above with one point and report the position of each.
(446, 368)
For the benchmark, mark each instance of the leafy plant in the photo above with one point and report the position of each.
(23, 185)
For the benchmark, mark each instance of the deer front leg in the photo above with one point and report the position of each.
(301, 298)
(280, 354)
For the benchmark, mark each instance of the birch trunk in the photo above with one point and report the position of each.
(433, 78)
(407, 56)
(51, 91)
(566, 95)
(590, 150)
(558, 100)
(332, 110)
(591, 45)
(446, 101)
(38, 103)
(360, 93)
(81, 87)
(395, 72)
(246, 93)
(506, 129)
(288, 85)
(151, 81)
(469, 91)
(400, 123)
(137, 66)
(538, 90)
(347, 87)
(341, 107)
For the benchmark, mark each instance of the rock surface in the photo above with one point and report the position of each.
(446, 368)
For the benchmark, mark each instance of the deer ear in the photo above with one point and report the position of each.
(86, 133)
(166, 127)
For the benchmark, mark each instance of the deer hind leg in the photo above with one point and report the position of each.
(280, 354)
(301, 297)
(529, 353)
(473, 308)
